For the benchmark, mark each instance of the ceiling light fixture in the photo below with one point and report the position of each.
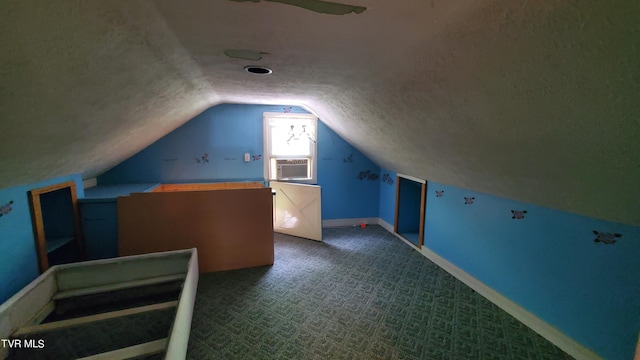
(261, 70)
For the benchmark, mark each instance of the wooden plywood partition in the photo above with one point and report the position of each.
(208, 186)
(231, 228)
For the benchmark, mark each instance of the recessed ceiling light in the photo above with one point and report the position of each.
(254, 69)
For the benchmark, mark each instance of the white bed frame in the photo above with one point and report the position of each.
(23, 313)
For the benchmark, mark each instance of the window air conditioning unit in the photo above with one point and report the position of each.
(293, 169)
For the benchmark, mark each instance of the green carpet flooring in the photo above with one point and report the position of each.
(360, 294)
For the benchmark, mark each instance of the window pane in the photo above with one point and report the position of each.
(286, 143)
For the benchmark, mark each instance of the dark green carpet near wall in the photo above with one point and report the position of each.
(360, 294)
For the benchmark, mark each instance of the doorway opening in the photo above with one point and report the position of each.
(410, 204)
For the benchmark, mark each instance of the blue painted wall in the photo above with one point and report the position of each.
(224, 133)
(209, 147)
(386, 210)
(18, 260)
(349, 180)
(547, 262)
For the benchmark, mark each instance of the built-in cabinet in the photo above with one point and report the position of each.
(99, 217)
(230, 223)
(56, 224)
(410, 205)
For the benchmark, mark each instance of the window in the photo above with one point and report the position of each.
(290, 147)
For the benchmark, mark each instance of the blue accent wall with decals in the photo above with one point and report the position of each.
(349, 180)
(578, 274)
(18, 260)
(386, 210)
(210, 148)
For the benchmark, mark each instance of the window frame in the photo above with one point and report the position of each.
(269, 118)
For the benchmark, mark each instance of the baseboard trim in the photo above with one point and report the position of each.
(349, 222)
(386, 225)
(538, 325)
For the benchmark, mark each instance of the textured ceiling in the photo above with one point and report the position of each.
(537, 101)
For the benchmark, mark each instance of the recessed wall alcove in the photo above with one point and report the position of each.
(410, 205)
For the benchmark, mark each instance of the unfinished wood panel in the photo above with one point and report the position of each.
(208, 186)
(231, 229)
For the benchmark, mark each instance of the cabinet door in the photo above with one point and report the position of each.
(100, 227)
(297, 210)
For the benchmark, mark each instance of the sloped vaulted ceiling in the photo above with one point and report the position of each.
(536, 101)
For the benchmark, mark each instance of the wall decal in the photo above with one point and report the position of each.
(518, 214)
(605, 237)
(439, 193)
(257, 157)
(231, 158)
(172, 159)
(6, 208)
(388, 179)
(287, 109)
(468, 200)
(203, 159)
(348, 159)
(367, 174)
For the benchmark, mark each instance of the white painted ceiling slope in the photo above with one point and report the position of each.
(537, 101)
